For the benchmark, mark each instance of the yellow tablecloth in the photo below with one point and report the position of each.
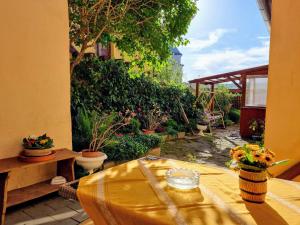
(137, 193)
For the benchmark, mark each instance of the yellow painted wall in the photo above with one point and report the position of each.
(34, 74)
(283, 101)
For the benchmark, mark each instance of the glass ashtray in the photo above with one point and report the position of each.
(183, 179)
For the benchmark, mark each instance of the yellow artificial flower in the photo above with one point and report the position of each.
(257, 155)
(267, 159)
(44, 141)
(270, 152)
(237, 155)
(253, 147)
(234, 150)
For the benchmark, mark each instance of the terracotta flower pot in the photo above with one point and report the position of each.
(253, 186)
(148, 131)
(37, 152)
(91, 154)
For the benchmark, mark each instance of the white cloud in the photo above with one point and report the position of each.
(212, 39)
(219, 61)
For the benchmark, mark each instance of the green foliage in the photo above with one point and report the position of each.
(106, 86)
(234, 115)
(130, 147)
(132, 128)
(257, 127)
(223, 99)
(147, 27)
(150, 141)
(171, 72)
(82, 128)
(171, 131)
(228, 122)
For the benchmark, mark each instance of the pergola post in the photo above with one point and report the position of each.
(212, 97)
(244, 84)
(197, 90)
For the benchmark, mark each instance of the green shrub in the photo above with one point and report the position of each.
(133, 127)
(228, 122)
(150, 141)
(171, 131)
(234, 115)
(172, 124)
(82, 132)
(130, 147)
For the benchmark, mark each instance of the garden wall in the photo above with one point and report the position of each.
(283, 101)
(35, 77)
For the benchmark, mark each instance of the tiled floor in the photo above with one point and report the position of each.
(51, 210)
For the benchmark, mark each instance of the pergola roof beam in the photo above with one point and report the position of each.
(235, 75)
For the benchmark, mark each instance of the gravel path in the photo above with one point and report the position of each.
(212, 149)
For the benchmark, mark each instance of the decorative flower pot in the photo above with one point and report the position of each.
(37, 152)
(253, 186)
(180, 135)
(90, 162)
(154, 151)
(201, 128)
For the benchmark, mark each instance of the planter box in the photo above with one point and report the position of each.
(164, 138)
(154, 151)
(181, 135)
(171, 138)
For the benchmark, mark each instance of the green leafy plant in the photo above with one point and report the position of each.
(83, 128)
(130, 147)
(257, 127)
(150, 141)
(133, 127)
(38, 142)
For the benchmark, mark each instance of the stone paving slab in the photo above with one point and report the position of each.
(52, 210)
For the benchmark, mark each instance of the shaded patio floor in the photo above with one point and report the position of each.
(50, 210)
(54, 210)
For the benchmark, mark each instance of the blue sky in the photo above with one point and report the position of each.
(225, 35)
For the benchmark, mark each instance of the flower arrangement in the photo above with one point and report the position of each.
(38, 142)
(253, 158)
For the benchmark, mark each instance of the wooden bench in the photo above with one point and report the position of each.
(65, 167)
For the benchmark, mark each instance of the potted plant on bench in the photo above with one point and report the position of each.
(37, 145)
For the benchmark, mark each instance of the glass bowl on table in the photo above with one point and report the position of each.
(183, 179)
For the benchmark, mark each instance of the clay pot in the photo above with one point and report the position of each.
(148, 131)
(37, 152)
(253, 186)
(91, 154)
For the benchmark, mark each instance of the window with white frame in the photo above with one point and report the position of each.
(256, 91)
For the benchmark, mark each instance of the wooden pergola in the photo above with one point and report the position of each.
(238, 78)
